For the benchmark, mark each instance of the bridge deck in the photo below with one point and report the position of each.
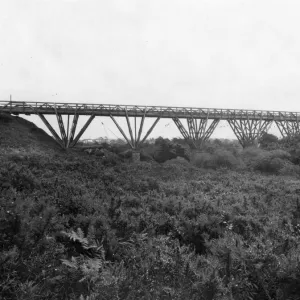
(50, 108)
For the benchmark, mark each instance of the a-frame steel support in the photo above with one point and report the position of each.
(50, 128)
(67, 138)
(81, 132)
(150, 130)
(288, 129)
(248, 132)
(134, 141)
(197, 132)
(181, 128)
(73, 129)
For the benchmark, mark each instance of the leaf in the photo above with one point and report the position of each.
(72, 264)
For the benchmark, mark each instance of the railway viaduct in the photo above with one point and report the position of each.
(247, 125)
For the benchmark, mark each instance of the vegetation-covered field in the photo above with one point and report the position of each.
(221, 224)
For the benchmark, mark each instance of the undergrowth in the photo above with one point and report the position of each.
(73, 227)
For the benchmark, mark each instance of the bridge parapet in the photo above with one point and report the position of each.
(19, 107)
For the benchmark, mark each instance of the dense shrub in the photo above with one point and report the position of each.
(203, 160)
(224, 158)
(218, 159)
(77, 226)
(289, 169)
(5, 118)
(279, 153)
(252, 154)
(270, 162)
(268, 141)
(166, 150)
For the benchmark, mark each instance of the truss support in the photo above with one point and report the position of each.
(141, 127)
(83, 129)
(61, 127)
(129, 127)
(247, 131)
(122, 132)
(134, 140)
(181, 128)
(150, 130)
(67, 139)
(197, 133)
(68, 126)
(50, 128)
(288, 129)
(73, 129)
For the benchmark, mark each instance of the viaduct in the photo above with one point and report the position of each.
(247, 125)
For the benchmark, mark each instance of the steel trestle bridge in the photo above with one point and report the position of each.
(248, 125)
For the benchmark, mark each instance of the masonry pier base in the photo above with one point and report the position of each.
(136, 156)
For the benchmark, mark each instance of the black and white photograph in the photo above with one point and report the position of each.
(149, 150)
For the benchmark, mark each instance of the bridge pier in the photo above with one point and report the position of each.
(67, 138)
(287, 128)
(249, 131)
(136, 156)
(197, 132)
(135, 140)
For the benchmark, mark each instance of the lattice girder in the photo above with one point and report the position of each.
(135, 140)
(197, 132)
(67, 138)
(288, 129)
(248, 132)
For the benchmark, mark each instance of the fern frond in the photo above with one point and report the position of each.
(70, 263)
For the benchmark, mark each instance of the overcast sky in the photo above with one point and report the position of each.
(203, 53)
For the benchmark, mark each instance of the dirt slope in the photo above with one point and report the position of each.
(18, 134)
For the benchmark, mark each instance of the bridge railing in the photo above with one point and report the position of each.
(20, 107)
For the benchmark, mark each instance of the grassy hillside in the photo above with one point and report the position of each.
(79, 226)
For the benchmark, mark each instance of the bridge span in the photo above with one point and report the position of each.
(248, 125)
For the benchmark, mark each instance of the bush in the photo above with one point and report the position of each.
(225, 159)
(110, 159)
(266, 161)
(268, 164)
(219, 159)
(279, 153)
(251, 154)
(268, 141)
(203, 160)
(149, 231)
(290, 169)
(5, 118)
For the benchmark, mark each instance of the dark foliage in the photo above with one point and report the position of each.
(78, 226)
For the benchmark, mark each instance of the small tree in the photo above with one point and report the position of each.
(268, 141)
